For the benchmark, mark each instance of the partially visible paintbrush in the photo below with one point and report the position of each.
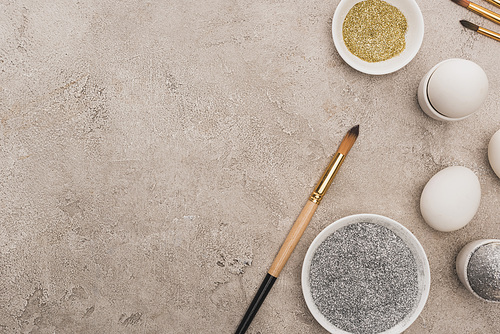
(298, 228)
(494, 2)
(481, 30)
(492, 16)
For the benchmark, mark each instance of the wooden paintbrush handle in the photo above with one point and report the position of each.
(292, 238)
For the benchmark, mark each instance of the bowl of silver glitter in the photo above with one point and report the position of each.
(365, 273)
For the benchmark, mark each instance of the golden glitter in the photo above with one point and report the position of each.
(374, 30)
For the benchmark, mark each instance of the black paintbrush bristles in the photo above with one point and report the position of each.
(348, 140)
(469, 25)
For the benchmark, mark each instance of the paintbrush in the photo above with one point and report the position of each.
(492, 16)
(481, 30)
(298, 227)
(494, 2)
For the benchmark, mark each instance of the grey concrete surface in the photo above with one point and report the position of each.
(154, 154)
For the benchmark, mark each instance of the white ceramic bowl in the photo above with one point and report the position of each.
(462, 262)
(414, 37)
(424, 275)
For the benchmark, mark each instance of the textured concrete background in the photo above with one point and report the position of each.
(153, 156)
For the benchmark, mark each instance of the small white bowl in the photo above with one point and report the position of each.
(462, 262)
(411, 241)
(414, 37)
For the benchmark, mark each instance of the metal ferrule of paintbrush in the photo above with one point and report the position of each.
(486, 13)
(488, 33)
(327, 178)
(494, 2)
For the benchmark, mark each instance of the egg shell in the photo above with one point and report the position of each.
(450, 199)
(494, 153)
(457, 88)
(462, 264)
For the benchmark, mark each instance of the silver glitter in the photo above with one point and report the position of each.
(364, 279)
(483, 271)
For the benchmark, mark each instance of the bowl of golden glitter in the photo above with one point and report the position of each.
(377, 36)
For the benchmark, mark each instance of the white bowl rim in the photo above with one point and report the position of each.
(390, 65)
(401, 231)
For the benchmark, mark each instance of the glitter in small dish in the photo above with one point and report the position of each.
(413, 37)
(365, 274)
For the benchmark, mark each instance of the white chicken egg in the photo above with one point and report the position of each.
(457, 88)
(450, 199)
(494, 152)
